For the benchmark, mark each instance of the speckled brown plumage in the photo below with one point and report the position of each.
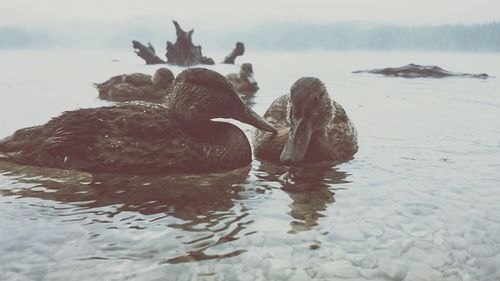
(244, 82)
(334, 140)
(139, 139)
(142, 138)
(137, 86)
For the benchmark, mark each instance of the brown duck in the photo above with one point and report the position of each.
(244, 82)
(145, 138)
(311, 127)
(137, 86)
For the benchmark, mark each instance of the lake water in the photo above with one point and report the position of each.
(420, 200)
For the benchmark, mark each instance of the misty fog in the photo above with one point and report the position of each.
(268, 36)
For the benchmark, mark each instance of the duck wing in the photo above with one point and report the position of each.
(131, 138)
(108, 83)
(135, 79)
(233, 78)
(268, 145)
(138, 79)
(341, 136)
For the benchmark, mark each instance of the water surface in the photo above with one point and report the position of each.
(418, 202)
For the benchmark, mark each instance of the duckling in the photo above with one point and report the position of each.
(146, 138)
(244, 82)
(311, 127)
(136, 86)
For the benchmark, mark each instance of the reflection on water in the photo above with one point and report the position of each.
(203, 204)
(208, 210)
(248, 99)
(185, 196)
(309, 187)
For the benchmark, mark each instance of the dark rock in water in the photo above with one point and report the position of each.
(146, 53)
(184, 52)
(314, 246)
(420, 71)
(239, 50)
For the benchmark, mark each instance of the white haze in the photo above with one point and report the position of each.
(230, 13)
(260, 24)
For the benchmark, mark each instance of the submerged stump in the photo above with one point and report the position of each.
(183, 52)
(239, 50)
(146, 53)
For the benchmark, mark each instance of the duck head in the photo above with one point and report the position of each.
(199, 95)
(310, 111)
(162, 78)
(246, 73)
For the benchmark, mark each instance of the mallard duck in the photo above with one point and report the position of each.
(136, 86)
(244, 82)
(311, 127)
(145, 138)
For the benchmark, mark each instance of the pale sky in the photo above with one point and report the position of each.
(249, 13)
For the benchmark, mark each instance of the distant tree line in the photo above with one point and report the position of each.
(20, 38)
(359, 36)
(273, 36)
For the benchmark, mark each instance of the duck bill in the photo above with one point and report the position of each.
(250, 117)
(297, 142)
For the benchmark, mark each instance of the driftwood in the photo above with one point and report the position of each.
(184, 52)
(147, 53)
(239, 50)
(421, 71)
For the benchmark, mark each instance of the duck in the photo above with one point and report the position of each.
(177, 136)
(311, 127)
(137, 86)
(244, 82)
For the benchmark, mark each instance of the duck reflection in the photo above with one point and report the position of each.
(311, 188)
(202, 206)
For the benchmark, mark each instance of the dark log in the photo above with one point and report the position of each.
(151, 48)
(239, 50)
(146, 53)
(184, 52)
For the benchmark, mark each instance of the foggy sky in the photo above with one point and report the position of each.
(235, 13)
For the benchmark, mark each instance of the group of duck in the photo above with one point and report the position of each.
(165, 126)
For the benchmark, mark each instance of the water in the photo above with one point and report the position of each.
(418, 202)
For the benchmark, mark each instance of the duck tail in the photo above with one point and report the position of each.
(96, 85)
